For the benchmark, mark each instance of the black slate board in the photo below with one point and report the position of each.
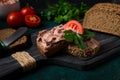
(110, 47)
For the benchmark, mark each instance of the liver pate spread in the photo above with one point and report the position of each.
(48, 37)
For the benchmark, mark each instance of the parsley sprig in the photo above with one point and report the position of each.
(76, 38)
(63, 11)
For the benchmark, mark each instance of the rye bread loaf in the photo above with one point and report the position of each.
(106, 6)
(103, 17)
(92, 46)
(17, 45)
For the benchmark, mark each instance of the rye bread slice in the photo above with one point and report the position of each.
(91, 49)
(53, 49)
(103, 20)
(51, 41)
(17, 45)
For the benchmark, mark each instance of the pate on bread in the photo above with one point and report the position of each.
(63, 37)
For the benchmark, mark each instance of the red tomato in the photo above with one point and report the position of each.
(15, 19)
(27, 10)
(32, 20)
(74, 26)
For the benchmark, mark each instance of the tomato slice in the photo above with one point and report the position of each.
(32, 20)
(74, 26)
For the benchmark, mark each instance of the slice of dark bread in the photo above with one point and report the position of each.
(17, 45)
(51, 41)
(104, 18)
(92, 46)
(53, 49)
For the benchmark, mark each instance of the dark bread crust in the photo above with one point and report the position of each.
(17, 45)
(112, 7)
(103, 17)
(87, 52)
(53, 49)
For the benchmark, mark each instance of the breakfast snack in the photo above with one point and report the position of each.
(92, 46)
(17, 45)
(81, 42)
(103, 17)
(51, 41)
(71, 37)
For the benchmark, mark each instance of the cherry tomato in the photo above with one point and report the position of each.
(32, 20)
(15, 19)
(74, 26)
(27, 10)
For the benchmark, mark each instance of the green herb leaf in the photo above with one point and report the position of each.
(69, 35)
(76, 38)
(88, 33)
(63, 11)
(81, 42)
(83, 8)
